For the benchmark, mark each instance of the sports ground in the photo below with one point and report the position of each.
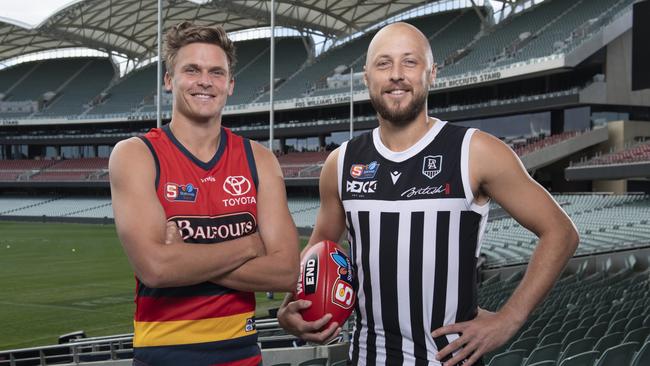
(60, 278)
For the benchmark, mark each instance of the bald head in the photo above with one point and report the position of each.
(402, 36)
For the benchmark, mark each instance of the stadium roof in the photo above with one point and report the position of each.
(129, 27)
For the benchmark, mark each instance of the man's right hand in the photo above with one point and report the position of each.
(315, 331)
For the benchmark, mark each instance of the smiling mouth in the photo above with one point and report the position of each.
(204, 96)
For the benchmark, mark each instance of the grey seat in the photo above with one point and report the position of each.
(642, 357)
(509, 358)
(618, 355)
(577, 347)
(582, 359)
(549, 352)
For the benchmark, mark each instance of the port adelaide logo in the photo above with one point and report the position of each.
(432, 166)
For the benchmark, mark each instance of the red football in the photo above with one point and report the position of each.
(326, 281)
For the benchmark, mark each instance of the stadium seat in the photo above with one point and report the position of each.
(339, 363)
(618, 355)
(569, 325)
(582, 359)
(642, 358)
(587, 322)
(574, 335)
(597, 330)
(550, 352)
(577, 347)
(526, 344)
(608, 341)
(543, 363)
(508, 358)
(637, 335)
(530, 332)
(315, 362)
(617, 326)
(555, 337)
(634, 323)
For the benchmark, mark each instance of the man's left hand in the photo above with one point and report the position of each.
(478, 336)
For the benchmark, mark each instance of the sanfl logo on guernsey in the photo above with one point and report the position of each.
(236, 185)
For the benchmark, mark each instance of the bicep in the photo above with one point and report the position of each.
(139, 217)
(330, 221)
(505, 180)
(276, 226)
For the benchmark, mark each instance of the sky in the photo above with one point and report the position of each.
(30, 13)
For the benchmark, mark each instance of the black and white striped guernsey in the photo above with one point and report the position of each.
(414, 235)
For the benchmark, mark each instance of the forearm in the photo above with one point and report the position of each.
(546, 265)
(266, 273)
(182, 264)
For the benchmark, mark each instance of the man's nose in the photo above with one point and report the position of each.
(397, 72)
(204, 80)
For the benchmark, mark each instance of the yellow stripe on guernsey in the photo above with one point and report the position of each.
(149, 334)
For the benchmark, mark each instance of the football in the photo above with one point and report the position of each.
(326, 281)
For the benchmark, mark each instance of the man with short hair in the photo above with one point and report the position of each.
(202, 216)
(414, 197)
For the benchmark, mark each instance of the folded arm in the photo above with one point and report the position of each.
(141, 226)
(278, 269)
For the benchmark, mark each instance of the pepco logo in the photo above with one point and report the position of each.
(236, 185)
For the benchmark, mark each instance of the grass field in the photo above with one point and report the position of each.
(59, 278)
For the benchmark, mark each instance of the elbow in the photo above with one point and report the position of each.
(573, 239)
(153, 274)
(288, 278)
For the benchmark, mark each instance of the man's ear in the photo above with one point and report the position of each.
(365, 76)
(168, 81)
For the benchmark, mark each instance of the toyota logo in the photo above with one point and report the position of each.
(236, 185)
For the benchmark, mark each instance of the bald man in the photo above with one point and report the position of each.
(415, 218)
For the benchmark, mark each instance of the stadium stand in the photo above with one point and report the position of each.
(128, 94)
(598, 314)
(636, 153)
(92, 78)
(605, 222)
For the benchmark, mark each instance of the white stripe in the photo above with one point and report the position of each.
(465, 177)
(375, 220)
(433, 204)
(452, 272)
(403, 284)
(401, 156)
(339, 166)
(363, 335)
(428, 274)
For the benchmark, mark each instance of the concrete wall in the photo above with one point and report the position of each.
(619, 74)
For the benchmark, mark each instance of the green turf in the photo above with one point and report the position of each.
(59, 278)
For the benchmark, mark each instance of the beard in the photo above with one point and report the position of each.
(398, 115)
